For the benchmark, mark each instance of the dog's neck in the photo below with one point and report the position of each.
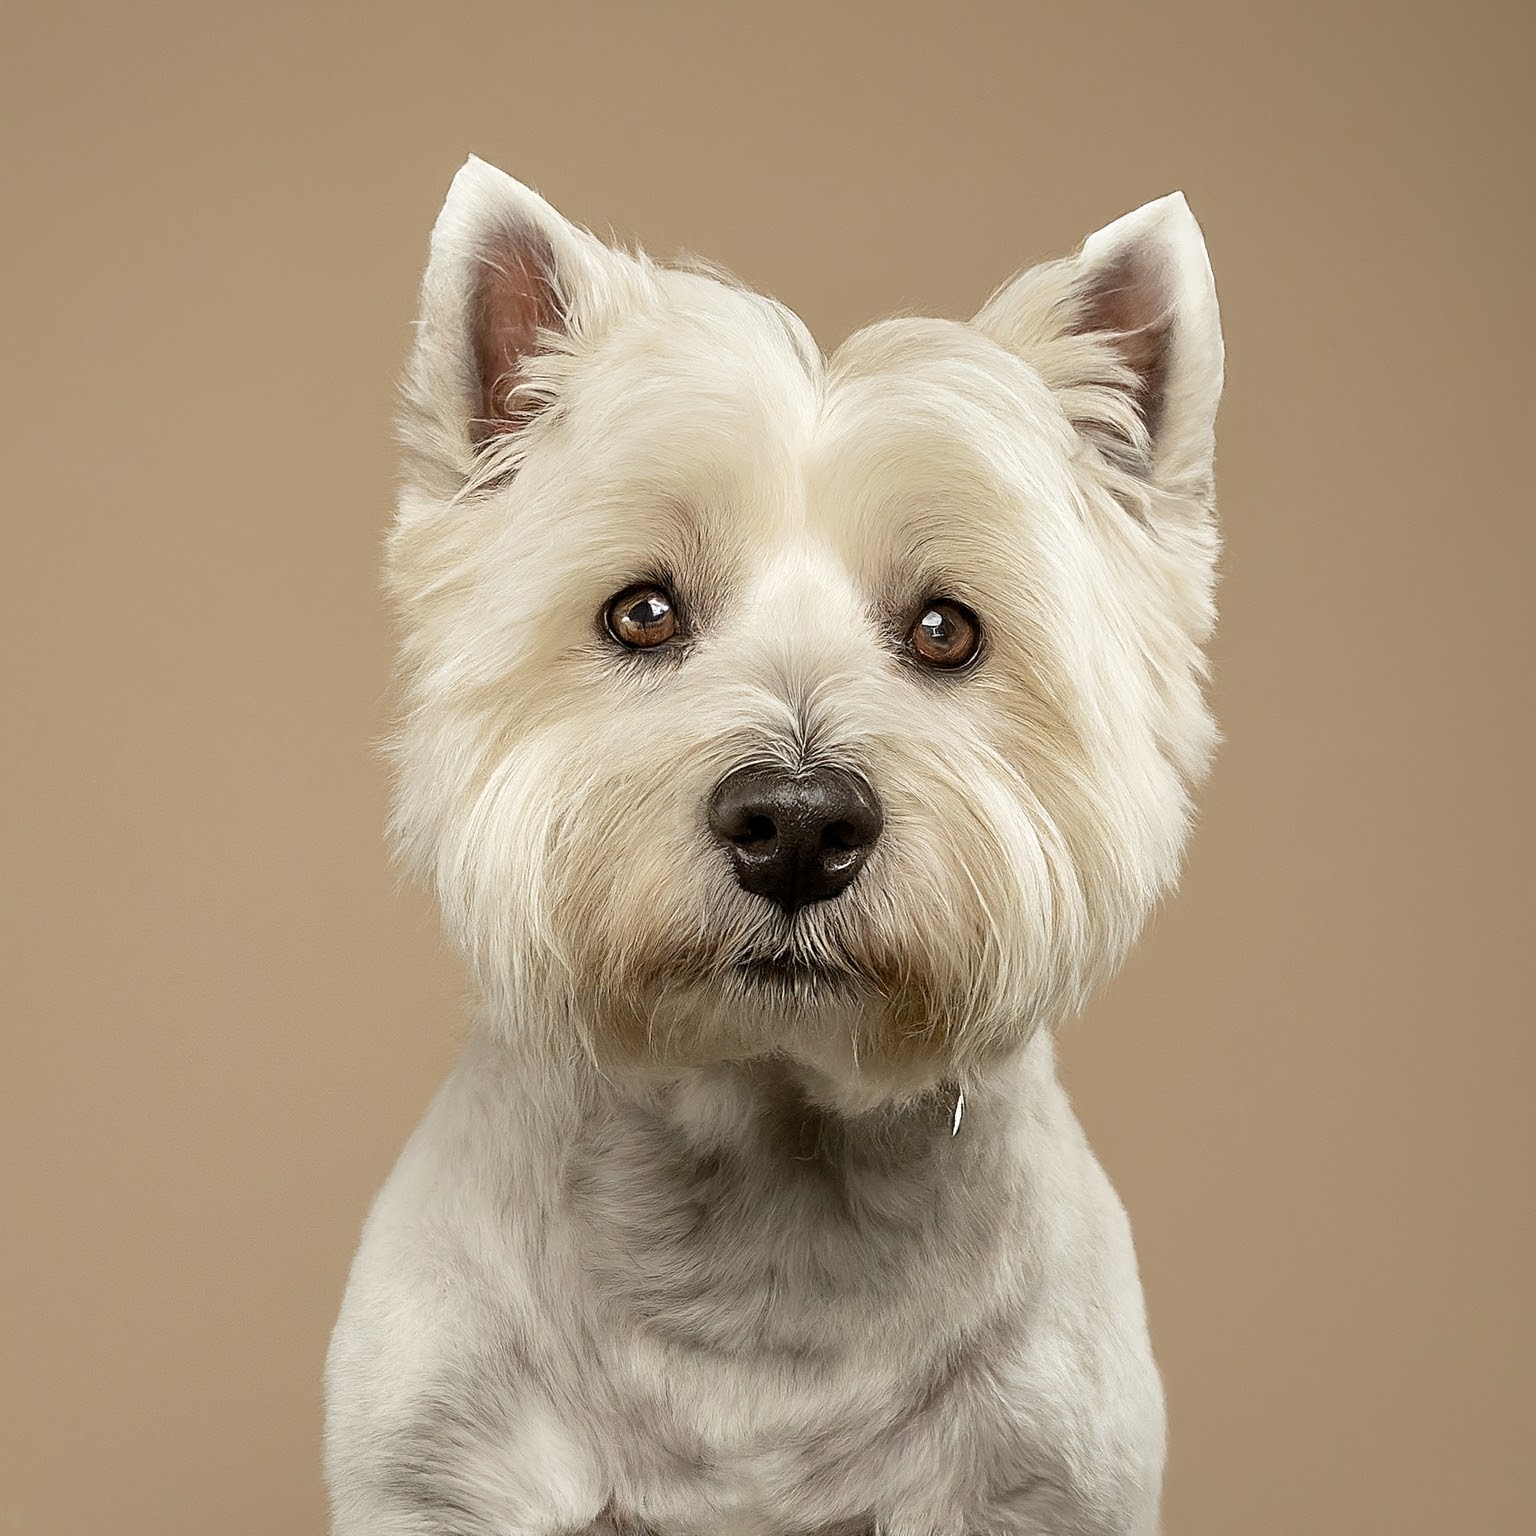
(734, 1209)
(775, 1110)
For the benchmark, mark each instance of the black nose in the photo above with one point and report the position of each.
(795, 837)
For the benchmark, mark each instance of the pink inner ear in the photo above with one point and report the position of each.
(515, 299)
(1127, 297)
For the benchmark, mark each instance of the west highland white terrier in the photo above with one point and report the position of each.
(791, 741)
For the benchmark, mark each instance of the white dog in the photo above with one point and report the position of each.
(791, 741)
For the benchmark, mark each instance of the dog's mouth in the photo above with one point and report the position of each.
(791, 977)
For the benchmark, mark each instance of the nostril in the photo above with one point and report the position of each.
(841, 837)
(758, 831)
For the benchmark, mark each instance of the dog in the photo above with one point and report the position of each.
(790, 741)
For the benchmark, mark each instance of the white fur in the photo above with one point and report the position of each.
(668, 1249)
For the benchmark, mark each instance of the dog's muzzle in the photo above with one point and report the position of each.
(795, 838)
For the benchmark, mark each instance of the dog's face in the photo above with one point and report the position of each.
(756, 701)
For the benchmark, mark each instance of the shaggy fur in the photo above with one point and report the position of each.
(731, 1223)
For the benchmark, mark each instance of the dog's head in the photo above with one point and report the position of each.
(757, 701)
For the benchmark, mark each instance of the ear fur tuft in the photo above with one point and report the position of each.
(508, 281)
(1128, 334)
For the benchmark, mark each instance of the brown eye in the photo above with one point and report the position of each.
(944, 635)
(641, 617)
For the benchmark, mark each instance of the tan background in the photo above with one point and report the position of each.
(1313, 1084)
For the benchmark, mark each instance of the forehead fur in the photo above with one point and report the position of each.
(705, 355)
(714, 402)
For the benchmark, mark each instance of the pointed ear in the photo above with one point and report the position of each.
(1128, 334)
(509, 282)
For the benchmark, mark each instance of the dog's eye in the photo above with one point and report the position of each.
(641, 617)
(944, 635)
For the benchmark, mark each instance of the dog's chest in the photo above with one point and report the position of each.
(806, 1471)
(616, 1522)
(784, 1441)
(791, 1324)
